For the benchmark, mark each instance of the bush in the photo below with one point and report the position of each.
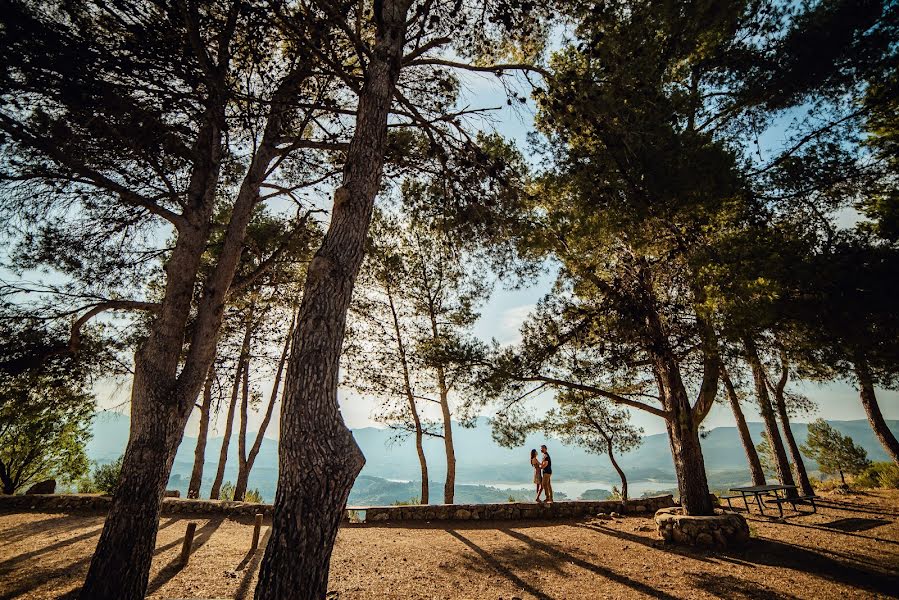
(879, 475)
(105, 477)
(227, 493)
(827, 485)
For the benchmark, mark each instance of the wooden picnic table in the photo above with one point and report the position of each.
(757, 491)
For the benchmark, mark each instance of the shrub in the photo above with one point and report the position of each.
(879, 475)
(106, 477)
(227, 493)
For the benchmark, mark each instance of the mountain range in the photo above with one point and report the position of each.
(485, 471)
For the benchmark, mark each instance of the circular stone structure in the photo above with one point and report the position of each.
(721, 530)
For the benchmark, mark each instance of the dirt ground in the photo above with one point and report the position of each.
(850, 549)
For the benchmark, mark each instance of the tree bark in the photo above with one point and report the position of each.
(242, 366)
(617, 468)
(120, 566)
(683, 437)
(243, 474)
(872, 408)
(196, 475)
(782, 464)
(752, 457)
(449, 486)
(410, 399)
(318, 458)
(805, 486)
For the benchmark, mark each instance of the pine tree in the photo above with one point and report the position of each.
(833, 451)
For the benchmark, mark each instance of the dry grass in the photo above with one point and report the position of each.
(850, 549)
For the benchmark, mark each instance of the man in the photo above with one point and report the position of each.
(547, 466)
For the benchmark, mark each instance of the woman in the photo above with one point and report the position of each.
(538, 475)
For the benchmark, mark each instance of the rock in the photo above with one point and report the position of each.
(704, 539)
(640, 508)
(463, 514)
(615, 515)
(173, 493)
(42, 487)
(603, 517)
(644, 528)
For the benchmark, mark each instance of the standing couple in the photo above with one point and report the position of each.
(543, 472)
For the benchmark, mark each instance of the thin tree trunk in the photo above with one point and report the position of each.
(319, 459)
(617, 468)
(196, 475)
(782, 464)
(872, 408)
(410, 398)
(243, 474)
(805, 486)
(449, 487)
(752, 456)
(263, 427)
(216, 490)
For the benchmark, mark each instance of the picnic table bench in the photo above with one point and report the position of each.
(757, 491)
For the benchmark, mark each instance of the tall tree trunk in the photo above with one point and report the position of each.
(242, 366)
(196, 475)
(120, 566)
(243, 473)
(872, 408)
(760, 378)
(318, 458)
(449, 486)
(410, 399)
(805, 486)
(752, 456)
(263, 427)
(683, 437)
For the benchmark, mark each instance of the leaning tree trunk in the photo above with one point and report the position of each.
(805, 486)
(318, 457)
(243, 473)
(752, 456)
(782, 464)
(872, 408)
(410, 399)
(617, 468)
(242, 366)
(196, 475)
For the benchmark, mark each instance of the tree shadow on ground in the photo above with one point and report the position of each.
(202, 536)
(728, 586)
(850, 507)
(638, 539)
(249, 565)
(52, 547)
(854, 524)
(56, 525)
(566, 557)
(493, 564)
(460, 525)
(764, 551)
(823, 527)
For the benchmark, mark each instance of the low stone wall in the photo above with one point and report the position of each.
(512, 510)
(96, 503)
(373, 514)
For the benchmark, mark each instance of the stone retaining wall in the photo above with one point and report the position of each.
(513, 510)
(373, 514)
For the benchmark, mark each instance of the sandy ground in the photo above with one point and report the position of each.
(850, 549)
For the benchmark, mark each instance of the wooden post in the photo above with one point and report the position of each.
(188, 542)
(257, 526)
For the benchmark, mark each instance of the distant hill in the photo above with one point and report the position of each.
(391, 462)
